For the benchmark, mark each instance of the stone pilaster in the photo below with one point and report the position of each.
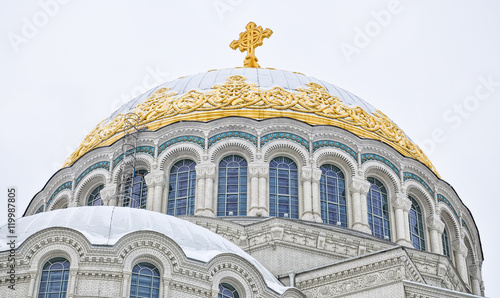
(436, 228)
(475, 272)
(307, 207)
(359, 188)
(460, 254)
(402, 205)
(205, 175)
(316, 199)
(155, 181)
(253, 174)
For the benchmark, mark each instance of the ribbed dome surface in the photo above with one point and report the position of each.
(264, 77)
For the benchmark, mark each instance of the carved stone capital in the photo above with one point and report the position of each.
(459, 247)
(359, 185)
(156, 178)
(108, 192)
(401, 201)
(306, 174)
(316, 175)
(205, 171)
(435, 223)
(258, 170)
(475, 271)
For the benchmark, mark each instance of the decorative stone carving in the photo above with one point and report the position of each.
(401, 201)
(344, 287)
(359, 185)
(154, 179)
(108, 194)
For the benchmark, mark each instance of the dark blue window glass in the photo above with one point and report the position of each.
(227, 291)
(54, 280)
(181, 188)
(136, 190)
(283, 188)
(332, 194)
(446, 243)
(95, 197)
(378, 209)
(416, 225)
(232, 186)
(145, 282)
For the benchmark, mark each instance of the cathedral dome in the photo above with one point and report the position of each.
(105, 225)
(252, 93)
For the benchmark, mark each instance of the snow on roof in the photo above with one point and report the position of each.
(105, 225)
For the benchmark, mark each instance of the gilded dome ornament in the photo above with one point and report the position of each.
(312, 104)
(249, 40)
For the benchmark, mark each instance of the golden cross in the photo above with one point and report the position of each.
(249, 40)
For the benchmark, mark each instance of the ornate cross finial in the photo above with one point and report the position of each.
(249, 40)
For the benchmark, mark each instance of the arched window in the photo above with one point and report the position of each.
(283, 188)
(95, 197)
(416, 225)
(446, 243)
(232, 190)
(227, 291)
(54, 280)
(136, 190)
(378, 210)
(145, 281)
(332, 194)
(181, 189)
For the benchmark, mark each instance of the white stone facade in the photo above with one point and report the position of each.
(319, 260)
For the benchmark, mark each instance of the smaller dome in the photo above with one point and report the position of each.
(106, 225)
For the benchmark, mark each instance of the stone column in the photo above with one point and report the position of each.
(475, 272)
(402, 205)
(253, 174)
(436, 228)
(150, 196)
(359, 188)
(155, 181)
(316, 199)
(199, 201)
(263, 190)
(306, 175)
(205, 175)
(109, 195)
(209, 190)
(460, 254)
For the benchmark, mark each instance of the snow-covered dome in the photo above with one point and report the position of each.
(103, 225)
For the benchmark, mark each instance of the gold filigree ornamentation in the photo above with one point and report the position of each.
(236, 97)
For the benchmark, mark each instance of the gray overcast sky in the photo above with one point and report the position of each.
(67, 65)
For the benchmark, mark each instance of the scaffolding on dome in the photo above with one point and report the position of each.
(127, 190)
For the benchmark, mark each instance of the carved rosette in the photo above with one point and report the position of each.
(236, 97)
